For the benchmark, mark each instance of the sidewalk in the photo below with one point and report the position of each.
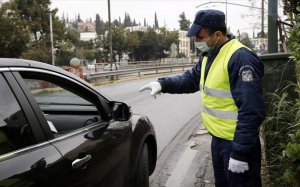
(186, 162)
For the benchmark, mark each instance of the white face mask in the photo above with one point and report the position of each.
(202, 46)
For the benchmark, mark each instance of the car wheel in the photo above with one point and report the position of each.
(142, 172)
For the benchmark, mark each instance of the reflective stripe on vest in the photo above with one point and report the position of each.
(216, 93)
(219, 112)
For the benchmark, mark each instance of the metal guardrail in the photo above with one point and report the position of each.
(102, 74)
(270, 61)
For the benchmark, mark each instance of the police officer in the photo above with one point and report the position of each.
(229, 77)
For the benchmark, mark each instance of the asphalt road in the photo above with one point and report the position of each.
(183, 145)
(169, 113)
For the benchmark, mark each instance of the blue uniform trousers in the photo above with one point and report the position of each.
(221, 150)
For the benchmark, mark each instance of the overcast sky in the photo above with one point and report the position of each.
(167, 11)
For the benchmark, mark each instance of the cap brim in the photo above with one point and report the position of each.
(193, 30)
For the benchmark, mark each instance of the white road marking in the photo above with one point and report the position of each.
(182, 166)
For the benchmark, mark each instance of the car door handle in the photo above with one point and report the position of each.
(81, 162)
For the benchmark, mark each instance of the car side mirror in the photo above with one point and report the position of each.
(120, 111)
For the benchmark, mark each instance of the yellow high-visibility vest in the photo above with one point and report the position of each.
(219, 111)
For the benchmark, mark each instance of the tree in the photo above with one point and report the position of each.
(63, 17)
(36, 12)
(150, 45)
(14, 34)
(132, 42)
(166, 39)
(116, 23)
(100, 25)
(145, 23)
(67, 20)
(78, 18)
(118, 41)
(149, 48)
(134, 23)
(156, 26)
(293, 41)
(127, 20)
(172, 37)
(246, 40)
(64, 57)
(184, 24)
(39, 53)
(27, 31)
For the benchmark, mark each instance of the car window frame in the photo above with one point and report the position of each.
(101, 104)
(27, 111)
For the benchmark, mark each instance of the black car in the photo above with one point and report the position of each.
(57, 130)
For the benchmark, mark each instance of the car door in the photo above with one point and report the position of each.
(95, 149)
(26, 158)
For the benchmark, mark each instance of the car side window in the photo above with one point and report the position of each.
(65, 110)
(15, 132)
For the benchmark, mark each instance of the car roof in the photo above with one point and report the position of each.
(12, 62)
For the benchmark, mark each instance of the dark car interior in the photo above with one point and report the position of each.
(65, 105)
(66, 118)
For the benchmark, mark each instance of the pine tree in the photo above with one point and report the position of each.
(184, 24)
(156, 26)
(67, 18)
(78, 18)
(98, 24)
(63, 17)
(127, 20)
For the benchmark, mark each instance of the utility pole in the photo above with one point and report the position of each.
(272, 26)
(226, 14)
(262, 18)
(109, 35)
(51, 36)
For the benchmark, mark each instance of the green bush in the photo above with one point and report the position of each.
(292, 156)
(281, 136)
(281, 129)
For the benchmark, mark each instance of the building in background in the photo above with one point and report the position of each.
(86, 27)
(141, 29)
(184, 44)
(87, 36)
(136, 28)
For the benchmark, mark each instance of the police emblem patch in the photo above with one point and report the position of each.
(247, 76)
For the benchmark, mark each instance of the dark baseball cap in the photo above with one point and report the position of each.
(209, 19)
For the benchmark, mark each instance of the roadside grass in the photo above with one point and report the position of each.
(281, 136)
(46, 91)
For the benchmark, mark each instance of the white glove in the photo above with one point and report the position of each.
(237, 166)
(155, 88)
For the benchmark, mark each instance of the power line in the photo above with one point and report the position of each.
(221, 2)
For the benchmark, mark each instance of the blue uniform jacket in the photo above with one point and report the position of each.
(245, 73)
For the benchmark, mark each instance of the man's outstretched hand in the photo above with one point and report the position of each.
(155, 88)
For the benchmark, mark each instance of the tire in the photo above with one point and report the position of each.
(142, 172)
